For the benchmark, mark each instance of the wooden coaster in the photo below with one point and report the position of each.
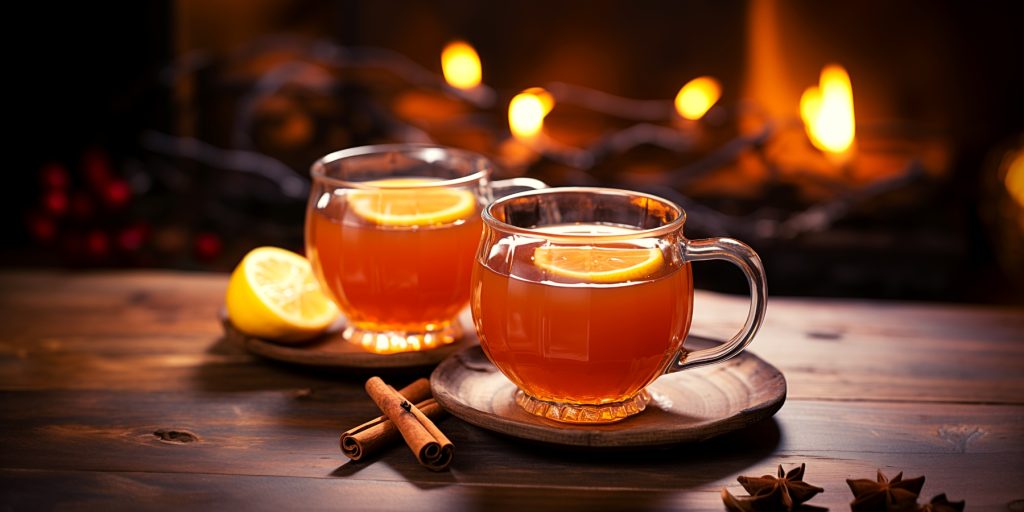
(331, 349)
(688, 406)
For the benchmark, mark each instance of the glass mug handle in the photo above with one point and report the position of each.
(513, 185)
(741, 255)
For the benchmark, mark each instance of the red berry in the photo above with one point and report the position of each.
(54, 176)
(207, 246)
(44, 229)
(97, 243)
(117, 193)
(56, 202)
(131, 238)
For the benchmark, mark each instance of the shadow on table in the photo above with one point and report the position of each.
(624, 479)
(493, 463)
(237, 370)
(676, 466)
(417, 475)
(497, 499)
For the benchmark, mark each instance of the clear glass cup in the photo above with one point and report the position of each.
(583, 296)
(391, 231)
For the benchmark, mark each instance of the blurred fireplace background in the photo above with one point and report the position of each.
(179, 134)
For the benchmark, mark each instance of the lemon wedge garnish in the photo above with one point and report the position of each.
(391, 205)
(590, 264)
(273, 294)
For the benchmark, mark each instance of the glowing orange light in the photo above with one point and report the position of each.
(697, 96)
(460, 65)
(395, 343)
(1015, 178)
(827, 111)
(527, 110)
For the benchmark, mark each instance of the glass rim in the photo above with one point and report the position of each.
(657, 232)
(317, 171)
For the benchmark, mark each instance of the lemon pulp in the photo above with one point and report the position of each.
(273, 294)
(597, 263)
(392, 205)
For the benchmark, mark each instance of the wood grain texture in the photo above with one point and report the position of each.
(149, 491)
(851, 350)
(32, 489)
(689, 406)
(117, 390)
(290, 434)
(57, 333)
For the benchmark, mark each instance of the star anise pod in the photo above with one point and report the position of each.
(941, 504)
(884, 495)
(786, 492)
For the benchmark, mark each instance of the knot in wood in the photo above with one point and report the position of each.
(960, 436)
(825, 334)
(171, 436)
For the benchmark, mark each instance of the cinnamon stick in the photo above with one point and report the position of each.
(379, 432)
(431, 447)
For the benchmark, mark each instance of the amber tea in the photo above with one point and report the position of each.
(397, 260)
(564, 331)
(391, 231)
(583, 296)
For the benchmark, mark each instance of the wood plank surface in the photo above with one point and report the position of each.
(118, 388)
(238, 434)
(58, 333)
(33, 489)
(154, 491)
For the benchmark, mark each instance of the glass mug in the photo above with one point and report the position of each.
(391, 231)
(583, 296)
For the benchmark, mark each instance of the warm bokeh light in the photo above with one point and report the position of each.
(461, 65)
(827, 111)
(526, 112)
(697, 96)
(395, 344)
(1015, 178)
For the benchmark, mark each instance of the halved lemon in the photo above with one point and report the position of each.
(273, 294)
(593, 264)
(392, 205)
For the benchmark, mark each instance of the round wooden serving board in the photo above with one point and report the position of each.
(331, 349)
(688, 406)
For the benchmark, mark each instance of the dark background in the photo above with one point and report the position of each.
(93, 82)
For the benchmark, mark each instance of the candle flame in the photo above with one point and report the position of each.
(697, 96)
(527, 110)
(827, 111)
(460, 65)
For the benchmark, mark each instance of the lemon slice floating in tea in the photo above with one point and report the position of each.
(273, 294)
(391, 205)
(598, 264)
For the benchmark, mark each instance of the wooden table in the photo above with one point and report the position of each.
(118, 392)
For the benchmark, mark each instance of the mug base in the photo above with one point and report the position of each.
(388, 341)
(584, 413)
